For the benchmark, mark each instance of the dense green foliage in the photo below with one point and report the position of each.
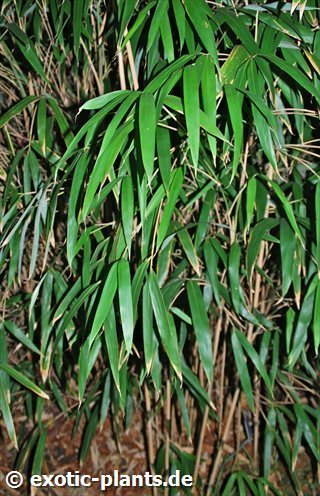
(160, 222)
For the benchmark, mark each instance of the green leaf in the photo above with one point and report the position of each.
(147, 131)
(7, 417)
(173, 195)
(127, 209)
(157, 19)
(288, 209)
(317, 209)
(105, 302)
(19, 377)
(125, 302)
(164, 155)
(149, 338)
(316, 319)
(20, 336)
(255, 358)
(188, 247)
(17, 108)
(110, 336)
(165, 324)
(39, 453)
(100, 172)
(287, 249)
(234, 101)
(234, 275)
(257, 235)
(192, 109)
(242, 369)
(201, 327)
(197, 11)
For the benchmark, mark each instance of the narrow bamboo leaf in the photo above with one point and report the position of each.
(255, 358)
(165, 325)
(192, 109)
(157, 18)
(39, 453)
(234, 101)
(308, 429)
(76, 188)
(7, 417)
(149, 338)
(139, 21)
(106, 398)
(316, 319)
(101, 101)
(111, 339)
(105, 302)
(41, 125)
(211, 259)
(198, 15)
(17, 108)
(147, 131)
(77, 24)
(193, 382)
(234, 275)
(100, 173)
(89, 433)
(301, 331)
(288, 209)
(287, 249)
(236, 59)
(242, 369)
(164, 155)
(20, 336)
(264, 135)
(19, 377)
(317, 209)
(204, 218)
(250, 199)
(4, 378)
(296, 74)
(167, 38)
(208, 92)
(257, 235)
(188, 247)
(173, 195)
(161, 78)
(237, 24)
(184, 410)
(137, 283)
(125, 302)
(201, 326)
(87, 358)
(179, 14)
(164, 261)
(127, 209)
(61, 120)
(269, 441)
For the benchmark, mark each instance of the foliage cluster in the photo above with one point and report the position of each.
(160, 226)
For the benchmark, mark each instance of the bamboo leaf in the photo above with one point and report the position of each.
(105, 302)
(165, 324)
(147, 131)
(125, 302)
(201, 326)
(192, 109)
(19, 377)
(242, 369)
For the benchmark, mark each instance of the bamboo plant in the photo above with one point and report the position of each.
(160, 229)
